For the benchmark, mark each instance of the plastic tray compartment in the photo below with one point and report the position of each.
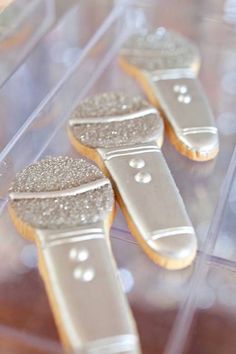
(22, 24)
(43, 71)
(164, 302)
(207, 320)
(72, 56)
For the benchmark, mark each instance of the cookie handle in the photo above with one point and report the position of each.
(84, 289)
(151, 202)
(190, 122)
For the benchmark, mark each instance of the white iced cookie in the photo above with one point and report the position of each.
(67, 206)
(166, 65)
(123, 134)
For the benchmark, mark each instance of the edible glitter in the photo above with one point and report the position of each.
(109, 104)
(62, 212)
(55, 174)
(152, 51)
(115, 133)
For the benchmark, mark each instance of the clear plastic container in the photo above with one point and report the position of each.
(187, 311)
(206, 322)
(22, 24)
(42, 73)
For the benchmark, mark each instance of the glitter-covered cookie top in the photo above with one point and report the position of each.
(55, 173)
(159, 50)
(63, 209)
(108, 104)
(115, 119)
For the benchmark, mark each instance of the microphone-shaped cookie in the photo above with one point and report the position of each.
(123, 135)
(67, 207)
(166, 65)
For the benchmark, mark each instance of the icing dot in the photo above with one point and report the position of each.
(78, 273)
(73, 254)
(187, 99)
(137, 163)
(176, 88)
(181, 98)
(83, 255)
(183, 89)
(143, 177)
(88, 275)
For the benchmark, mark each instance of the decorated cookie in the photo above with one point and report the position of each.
(166, 66)
(67, 207)
(124, 134)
